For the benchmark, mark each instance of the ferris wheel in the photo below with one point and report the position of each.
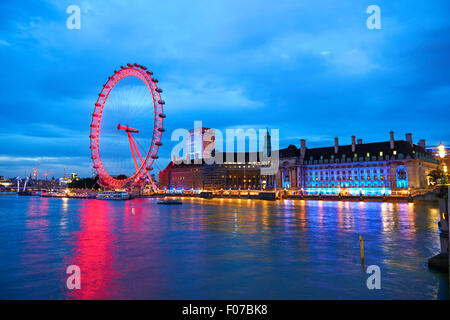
(126, 128)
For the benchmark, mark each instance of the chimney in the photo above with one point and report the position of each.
(353, 144)
(392, 139)
(302, 148)
(336, 145)
(409, 138)
(422, 143)
(359, 141)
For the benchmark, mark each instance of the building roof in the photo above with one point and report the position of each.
(376, 149)
(403, 149)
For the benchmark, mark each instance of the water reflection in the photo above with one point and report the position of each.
(94, 253)
(217, 249)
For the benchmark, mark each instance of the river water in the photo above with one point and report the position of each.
(217, 249)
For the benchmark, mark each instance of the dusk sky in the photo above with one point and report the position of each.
(311, 69)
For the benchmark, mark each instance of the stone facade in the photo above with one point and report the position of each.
(369, 169)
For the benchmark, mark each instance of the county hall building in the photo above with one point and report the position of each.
(394, 166)
(379, 168)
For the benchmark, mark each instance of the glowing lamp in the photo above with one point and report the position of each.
(441, 150)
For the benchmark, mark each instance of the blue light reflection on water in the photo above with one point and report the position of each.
(216, 249)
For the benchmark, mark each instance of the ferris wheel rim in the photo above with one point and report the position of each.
(141, 72)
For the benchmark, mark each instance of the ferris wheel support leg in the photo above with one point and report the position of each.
(130, 139)
(134, 146)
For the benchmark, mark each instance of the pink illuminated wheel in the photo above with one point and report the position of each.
(125, 122)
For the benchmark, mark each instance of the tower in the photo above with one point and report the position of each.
(267, 149)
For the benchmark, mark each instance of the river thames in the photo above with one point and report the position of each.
(217, 249)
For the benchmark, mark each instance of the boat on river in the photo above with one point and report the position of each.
(169, 201)
(113, 195)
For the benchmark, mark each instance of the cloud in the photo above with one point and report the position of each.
(202, 93)
(355, 61)
(33, 159)
(292, 65)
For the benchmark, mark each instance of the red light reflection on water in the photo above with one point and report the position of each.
(93, 253)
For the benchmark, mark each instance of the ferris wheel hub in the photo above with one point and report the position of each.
(127, 128)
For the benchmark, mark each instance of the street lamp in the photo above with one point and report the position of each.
(441, 151)
(442, 154)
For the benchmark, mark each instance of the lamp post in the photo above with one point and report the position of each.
(442, 154)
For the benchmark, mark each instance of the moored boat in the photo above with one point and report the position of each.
(169, 201)
(25, 193)
(113, 195)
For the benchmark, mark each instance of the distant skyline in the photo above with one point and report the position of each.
(311, 69)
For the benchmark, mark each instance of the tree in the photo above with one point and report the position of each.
(434, 176)
(83, 183)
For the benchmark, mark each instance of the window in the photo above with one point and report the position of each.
(402, 177)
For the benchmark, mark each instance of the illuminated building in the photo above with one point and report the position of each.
(380, 168)
(234, 171)
(230, 175)
(360, 168)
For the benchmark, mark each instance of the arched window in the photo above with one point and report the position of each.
(402, 178)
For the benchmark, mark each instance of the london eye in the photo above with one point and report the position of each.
(126, 128)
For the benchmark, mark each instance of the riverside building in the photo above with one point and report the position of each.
(379, 168)
(234, 171)
(390, 167)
